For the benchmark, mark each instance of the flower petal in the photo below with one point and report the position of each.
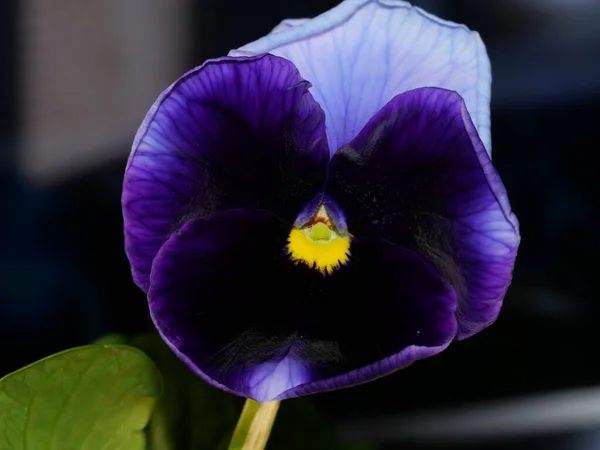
(287, 24)
(234, 132)
(233, 307)
(385, 310)
(362, 53)
(216, 301)
(418, 175)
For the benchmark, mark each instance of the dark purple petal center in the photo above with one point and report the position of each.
(232, 305)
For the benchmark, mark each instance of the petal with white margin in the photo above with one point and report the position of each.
(288, 23)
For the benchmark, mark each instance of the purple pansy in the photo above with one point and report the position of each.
(298, 237)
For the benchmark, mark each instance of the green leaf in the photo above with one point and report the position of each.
(86, 398)
(191, 415)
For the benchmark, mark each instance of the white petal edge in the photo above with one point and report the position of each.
(287, 24)
(449, 56)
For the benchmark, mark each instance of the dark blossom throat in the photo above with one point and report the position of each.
(319, 243)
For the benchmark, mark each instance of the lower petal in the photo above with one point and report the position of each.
(383, 311)
(228, 301)
(418, 175)
(214, 297)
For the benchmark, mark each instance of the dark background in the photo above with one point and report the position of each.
(64, 278)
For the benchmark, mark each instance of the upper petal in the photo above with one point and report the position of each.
(362, 53)
(418, 175)
(234, 132)
(287, 24)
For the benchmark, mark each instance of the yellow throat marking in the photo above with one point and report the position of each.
(318, 244)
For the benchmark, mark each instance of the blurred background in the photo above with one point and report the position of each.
(76, 80)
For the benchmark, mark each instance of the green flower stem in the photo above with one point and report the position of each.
(254, 426)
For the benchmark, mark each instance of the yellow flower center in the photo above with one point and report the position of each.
(319, 244)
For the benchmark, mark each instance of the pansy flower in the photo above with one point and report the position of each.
(319, 208)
